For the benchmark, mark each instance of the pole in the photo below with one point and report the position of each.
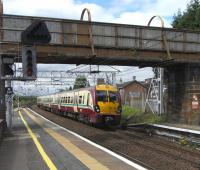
(18, 102)
(114, 78)
(2, 95)
(9, 104)
(160, 91)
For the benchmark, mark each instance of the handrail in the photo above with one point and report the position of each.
(163, 35)
(89, 28)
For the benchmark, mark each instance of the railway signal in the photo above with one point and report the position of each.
(29, 62)
(36, 34)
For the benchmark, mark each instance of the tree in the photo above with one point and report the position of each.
(80, 82)
(190, 18)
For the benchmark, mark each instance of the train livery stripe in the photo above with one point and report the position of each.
(86, 159)
(45, 157)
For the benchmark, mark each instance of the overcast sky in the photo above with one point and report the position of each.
(137, 12)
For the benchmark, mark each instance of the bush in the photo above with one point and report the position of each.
(141, 117)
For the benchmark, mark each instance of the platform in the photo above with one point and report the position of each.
(183, 126)
(36, 143)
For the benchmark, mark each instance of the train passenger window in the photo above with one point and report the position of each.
(75, 99)
(88, 99)
(113, 96)
(72, 99)
(80, 99)
(68, 100)
(102, 95)
(83, 99)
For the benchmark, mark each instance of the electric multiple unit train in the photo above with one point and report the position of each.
(96, 105)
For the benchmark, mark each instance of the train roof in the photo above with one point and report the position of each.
(98, 87)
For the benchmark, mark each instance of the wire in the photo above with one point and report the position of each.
(143, 69)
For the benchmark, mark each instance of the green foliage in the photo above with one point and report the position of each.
(24, 101)
(190, 18)
(183, 141)
(141, 117)
(128, 111)
(80, 82)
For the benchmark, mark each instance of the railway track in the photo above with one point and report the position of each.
(137, 147)
(164, 143)
(172, 151)
(134, 160)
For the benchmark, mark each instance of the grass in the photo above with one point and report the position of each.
(140, 117)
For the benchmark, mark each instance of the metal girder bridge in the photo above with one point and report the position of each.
(87, 42)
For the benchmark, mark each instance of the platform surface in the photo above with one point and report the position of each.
(35, 143)
(181, 127)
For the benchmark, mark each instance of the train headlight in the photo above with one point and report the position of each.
(97, 109)
(119, 109)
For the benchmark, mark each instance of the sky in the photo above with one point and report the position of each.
(136, 12)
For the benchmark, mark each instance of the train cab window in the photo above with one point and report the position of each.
(102, 95)
(113, 96)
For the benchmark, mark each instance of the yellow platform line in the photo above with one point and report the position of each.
(86, 159)
(45, 157)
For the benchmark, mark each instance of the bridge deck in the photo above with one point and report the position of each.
(115, 44)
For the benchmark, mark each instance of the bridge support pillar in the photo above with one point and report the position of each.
(2, 102)
(183, 101)
(2, 96)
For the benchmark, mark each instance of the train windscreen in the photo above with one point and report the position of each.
(113, 96)
(102, 96)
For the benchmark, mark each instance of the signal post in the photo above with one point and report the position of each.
(36, 33)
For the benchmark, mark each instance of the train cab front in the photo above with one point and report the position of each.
(108, 105)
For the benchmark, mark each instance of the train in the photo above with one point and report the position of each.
(97, 105)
